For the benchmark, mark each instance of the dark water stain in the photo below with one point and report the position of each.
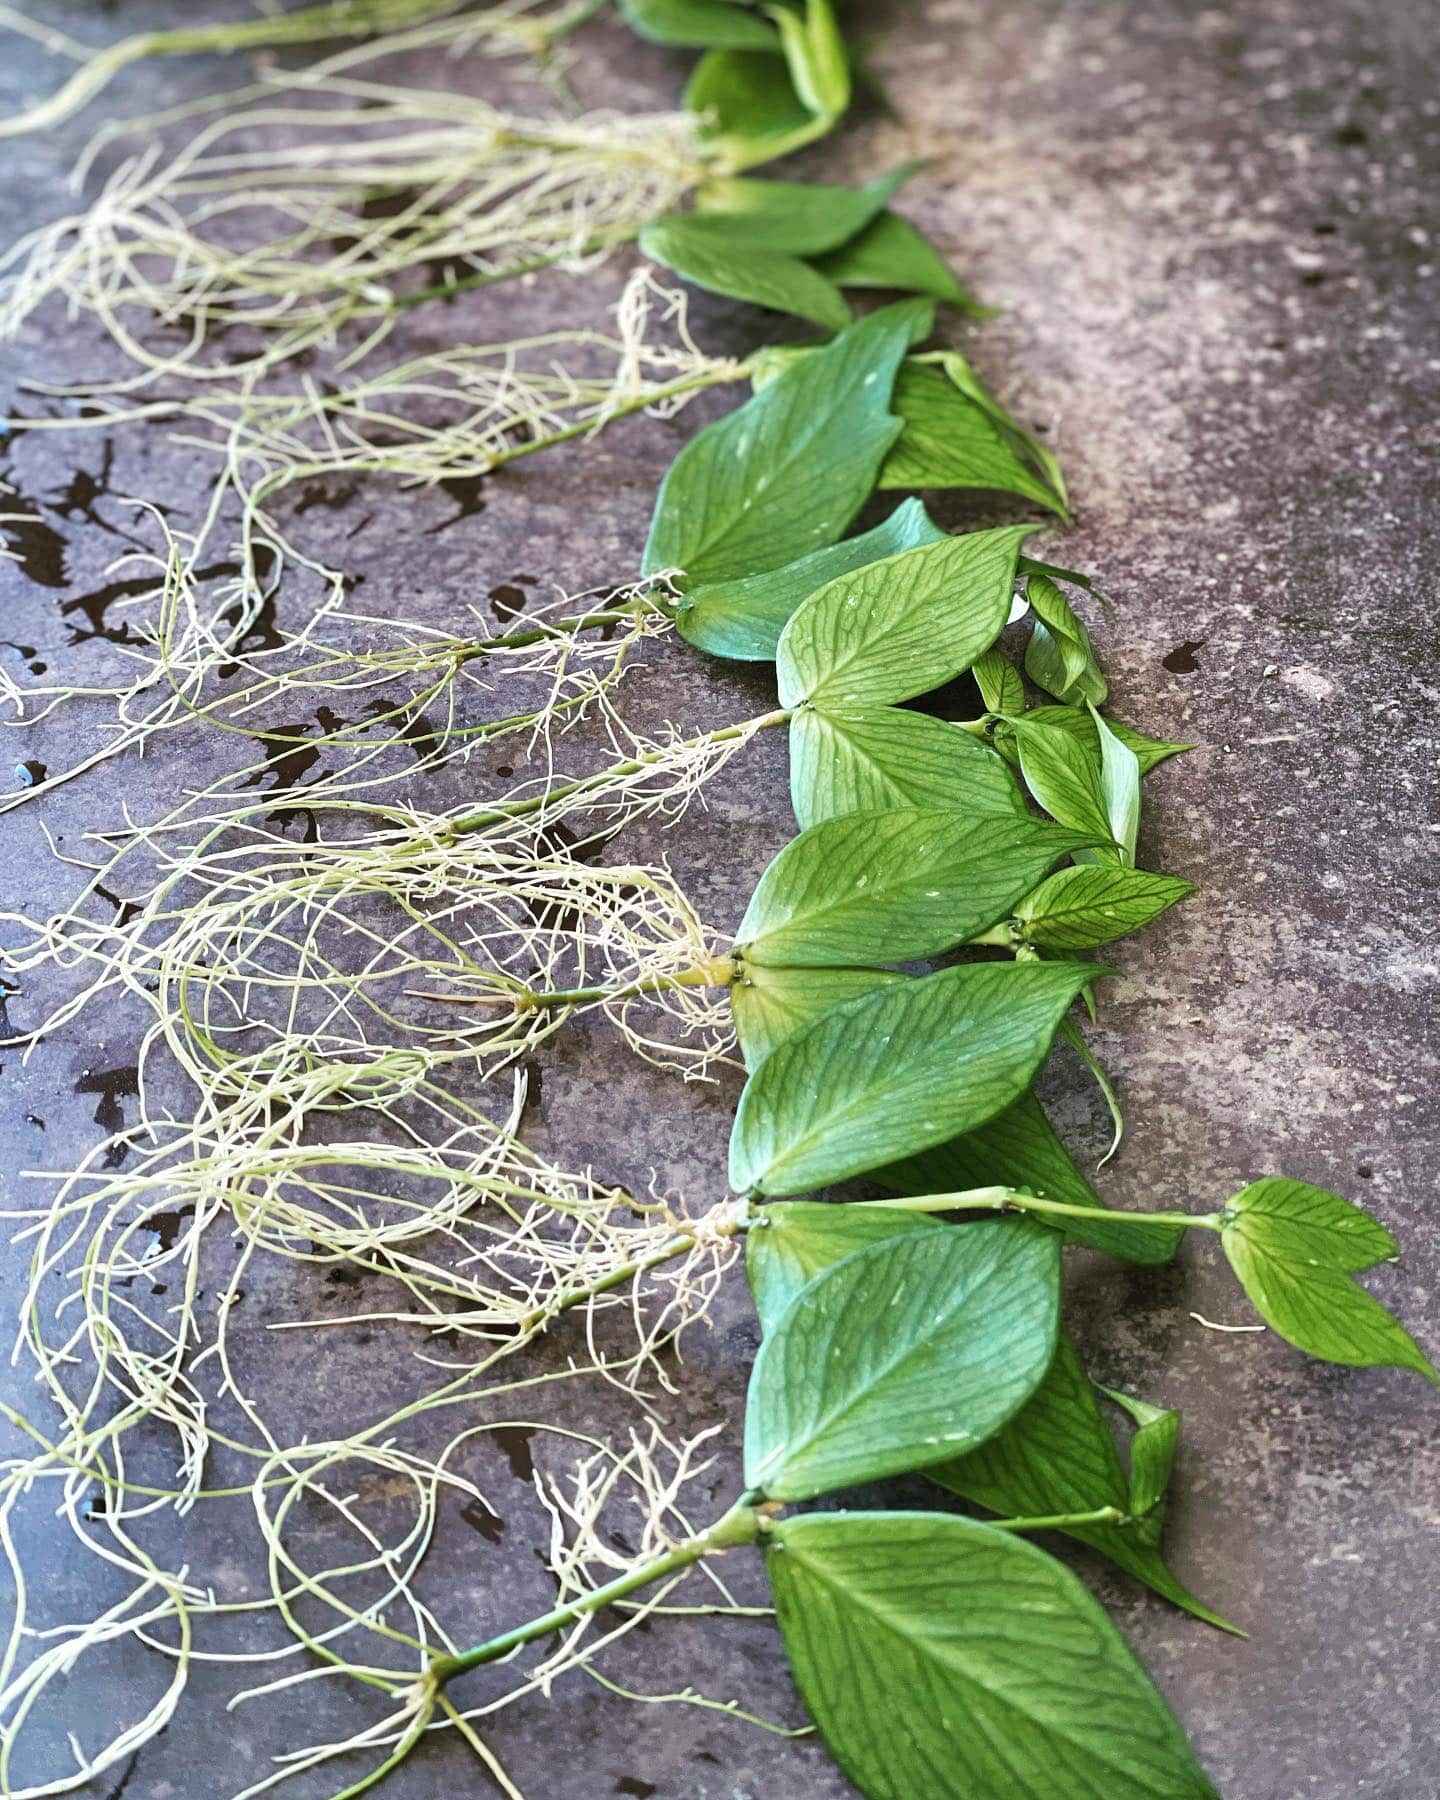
(513, 1441)
(81, 494)
(509, 597)
(25, 652)
(559, 840)
(112, 1085)
(417, 730)
(262, 630)
(290, 754)
(327, 494)
(383, 203)
(534, 1089)
(30, 774)
(343, 1275)
(168, 1223)
(36, 548)
(125, 910)
(95, 606)
(479, 1518)
(1181, 660)
(1350, 137)
(633, 1785)
(7, 988)
(465, 491)
(118, 1791)
(35, 1120)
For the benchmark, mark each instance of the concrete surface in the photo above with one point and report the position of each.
(1211, 231)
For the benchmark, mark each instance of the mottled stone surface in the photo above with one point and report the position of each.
(1211, 232)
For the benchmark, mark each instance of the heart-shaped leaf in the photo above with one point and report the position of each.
(1078, 908)
(1308, 1225)
(943, 1659)
(768, 1004)
(785, 473)
(743, 618)
(896, 1072)
(894, 886)
(1065, 777)
(900, 627)
(862, 759)
(898, 1353)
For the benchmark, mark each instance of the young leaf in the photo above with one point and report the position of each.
(1064, 777)
(891, 253)
(1078, 908)
(786, 472)
(689, 244)
(1309, 1299)
(877, 756)
(768, 1004)
(1059, 657)
(749, 109)
(743, 618)
(900, 627)
(815, 54)
(896, 1072)
(1152, 1457)
(950, 439)
(893, 886)
(897, 1353)
(793, 1240)
(945, 1659)
(700, 25)
(1077, 722)
(1018, 1148)
(1308, 1225)
(1057, 1456)
(802, 218)
(1119, 787)
(999, 682)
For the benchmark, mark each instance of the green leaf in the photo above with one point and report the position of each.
(802, 218)
(815, 54)
(1152, 1457)
(1059, 657)
(897, 1353)
(894, 886)
(1057, 1456)
(768, 1004)
(999, 682)
(1064, 777)
(785, 473)
(1313, 1304)
(749, 108)
(1119, 788)
(944, 1659)
(689, 244)
(953, 440)
(1018, 1148)
(891, 253)
(700, 25)
(896, 1072)
(1078, 908)
(879, 756)
(791, 1241)
(1308, 1225)
(900, 627)
(743, 618)
(1077, 722)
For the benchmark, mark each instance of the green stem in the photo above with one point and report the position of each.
(1102, 1515)
(670, 390)
(519, 809)
(464, 284)
(741, 1525)
(1008, 1199)
(722, 972)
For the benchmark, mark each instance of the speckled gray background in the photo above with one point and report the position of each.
(1211, 231)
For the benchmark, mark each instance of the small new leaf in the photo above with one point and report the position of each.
(945, 1659)
(899, 1352)
(999, 682)
(1065, 778)
(1059, 657)
(1079, 908)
